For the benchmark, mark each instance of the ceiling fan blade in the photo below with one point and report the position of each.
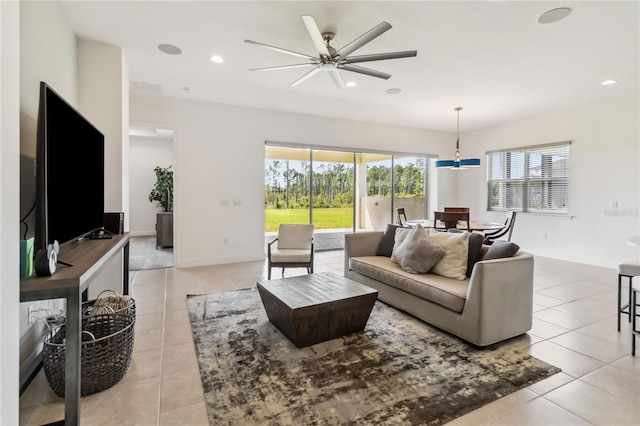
(284, 67)
(363, 70)
(316, 35)
(306, 76)
(379, 57)
(363, 39)
(337, 79)
(278, 49)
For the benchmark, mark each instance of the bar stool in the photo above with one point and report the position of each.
(635, 290)
(629, 269)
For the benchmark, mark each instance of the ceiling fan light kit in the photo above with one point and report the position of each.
(331, 60)
(458, 163)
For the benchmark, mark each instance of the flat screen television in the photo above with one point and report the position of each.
(69, 173)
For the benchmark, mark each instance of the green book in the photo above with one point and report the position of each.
(26, 258)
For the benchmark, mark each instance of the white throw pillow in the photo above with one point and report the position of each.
(456, 249)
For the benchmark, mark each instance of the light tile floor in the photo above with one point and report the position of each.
(574, 328)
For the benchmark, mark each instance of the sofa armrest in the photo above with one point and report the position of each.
(500, 295)
(360, 244)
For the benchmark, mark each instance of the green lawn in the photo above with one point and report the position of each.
(322, 218)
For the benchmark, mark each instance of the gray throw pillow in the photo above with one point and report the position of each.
(388, 239)
(475, 251)
(501, 249)
(417, 253)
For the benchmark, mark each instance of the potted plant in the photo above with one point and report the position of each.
(162, 191)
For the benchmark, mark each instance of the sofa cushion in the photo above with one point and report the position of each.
(418, 253)
(443, 291)
(501, 249)
(388, 239)
(456, 248)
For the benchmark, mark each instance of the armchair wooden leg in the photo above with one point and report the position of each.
(282, 272)
(269, 273)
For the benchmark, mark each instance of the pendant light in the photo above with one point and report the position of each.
(457, 162)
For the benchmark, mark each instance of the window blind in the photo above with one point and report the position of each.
(529, 179)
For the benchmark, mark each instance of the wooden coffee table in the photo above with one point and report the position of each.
(313, 308)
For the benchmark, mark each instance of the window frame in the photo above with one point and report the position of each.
(526, 179)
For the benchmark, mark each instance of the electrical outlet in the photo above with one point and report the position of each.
(545, 236)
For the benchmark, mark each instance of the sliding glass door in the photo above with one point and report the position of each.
(286, 187)
(332, 195)
(409, 185)
(340, 191)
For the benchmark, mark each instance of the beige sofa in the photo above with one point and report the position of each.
(495, 304)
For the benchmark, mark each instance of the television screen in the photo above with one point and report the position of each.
(69, 172)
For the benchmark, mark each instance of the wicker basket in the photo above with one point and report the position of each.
(110, 304)
(106, 348)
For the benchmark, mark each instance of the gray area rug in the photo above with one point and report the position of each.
(144, 255)
(397, 371)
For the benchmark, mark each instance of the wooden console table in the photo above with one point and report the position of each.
(88, 258)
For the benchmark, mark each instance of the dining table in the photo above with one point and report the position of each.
(474, 225)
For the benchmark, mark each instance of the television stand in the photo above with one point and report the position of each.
(89, 258)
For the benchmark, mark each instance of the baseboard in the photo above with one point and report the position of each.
(30, 371)
(207, 261)
(142, 233)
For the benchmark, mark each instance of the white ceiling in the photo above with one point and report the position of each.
(490, 57)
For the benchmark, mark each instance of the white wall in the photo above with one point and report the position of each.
(101, 99)
(48, 52)
(219, 155)
(604, 168)
(99, 90)
(145, 154)
(9, 214)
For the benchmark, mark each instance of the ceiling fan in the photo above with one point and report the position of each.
(330, 59)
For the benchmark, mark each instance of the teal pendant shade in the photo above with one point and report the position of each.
(444, 163)
(470, 162)
(457, 162)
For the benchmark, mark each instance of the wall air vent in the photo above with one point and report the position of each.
(141, 86)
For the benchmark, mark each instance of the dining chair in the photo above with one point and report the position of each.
(400, 214)
(294, 248)
(450, 219)
(490, 237)
(457, 209)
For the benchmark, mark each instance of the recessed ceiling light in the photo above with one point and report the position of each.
(351, 84)
(169, 49)
(554, 15)
(393, 91)
(609, 82)
(217, 59)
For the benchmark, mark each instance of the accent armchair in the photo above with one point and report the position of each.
(294, 248)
